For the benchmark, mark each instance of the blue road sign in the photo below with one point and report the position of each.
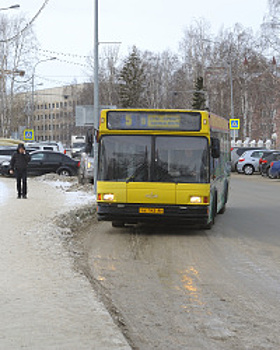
(28, 135)
(234, 124)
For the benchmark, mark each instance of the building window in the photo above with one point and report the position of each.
(45, 106)
(57, 105)
(61, 104)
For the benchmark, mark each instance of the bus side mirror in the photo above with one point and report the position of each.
(215, 148)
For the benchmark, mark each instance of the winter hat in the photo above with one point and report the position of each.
(20, 145)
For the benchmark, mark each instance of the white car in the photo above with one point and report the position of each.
(47, 146)
(248, 163)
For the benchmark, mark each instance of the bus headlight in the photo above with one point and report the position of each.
(108, 197)
(195, 199)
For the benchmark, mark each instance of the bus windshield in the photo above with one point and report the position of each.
(174, 159)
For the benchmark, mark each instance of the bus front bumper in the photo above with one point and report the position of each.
(133, 213)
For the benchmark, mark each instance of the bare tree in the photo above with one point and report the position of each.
(16, 59)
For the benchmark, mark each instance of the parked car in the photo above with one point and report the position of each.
(236, 153)
(274, 171)
(265, 161)
(85, 173)
(248, 163)
(77, 149)
(47, 146)
(6, 152)
(43, 162)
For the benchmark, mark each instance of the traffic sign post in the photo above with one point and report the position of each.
(234, 124)
(28, 135)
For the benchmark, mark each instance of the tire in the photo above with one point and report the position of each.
(214, 213)
(270, 176)
(64, 172)
(248, 169)
(223, 209)
(117, 223)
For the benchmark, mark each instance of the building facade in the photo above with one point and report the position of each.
(53, 115)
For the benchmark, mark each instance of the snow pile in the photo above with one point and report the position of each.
(75, 194)
(70, 222)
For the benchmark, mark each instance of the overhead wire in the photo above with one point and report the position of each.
(28, 24)
(56, 53)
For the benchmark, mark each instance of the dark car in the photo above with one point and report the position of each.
(266, 160)
(44, 162)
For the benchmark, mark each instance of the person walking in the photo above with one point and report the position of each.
(19, 163)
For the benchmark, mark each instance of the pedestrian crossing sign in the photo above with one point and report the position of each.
(28, 135)
(234, 124)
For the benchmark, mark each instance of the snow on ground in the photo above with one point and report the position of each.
(45, 302)
(75, 193)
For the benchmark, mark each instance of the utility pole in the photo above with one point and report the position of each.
(96, 95)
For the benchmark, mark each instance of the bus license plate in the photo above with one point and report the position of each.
(151, 210)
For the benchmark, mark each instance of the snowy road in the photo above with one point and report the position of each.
(194, 289)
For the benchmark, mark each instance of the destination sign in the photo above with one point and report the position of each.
(179, 121)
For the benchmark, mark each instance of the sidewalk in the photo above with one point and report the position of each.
(44, 303)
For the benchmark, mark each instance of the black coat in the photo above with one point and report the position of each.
(19, 161)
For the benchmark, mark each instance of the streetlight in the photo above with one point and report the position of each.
(96, 95)
(32, 93)
(96, 91)
(9, 8)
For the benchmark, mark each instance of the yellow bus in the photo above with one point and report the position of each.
(162, 166)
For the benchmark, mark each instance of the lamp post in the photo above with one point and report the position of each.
(32, 92)
(96, 95)
(9, 8)
(96, 92)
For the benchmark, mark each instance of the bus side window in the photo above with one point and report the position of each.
(215, 147)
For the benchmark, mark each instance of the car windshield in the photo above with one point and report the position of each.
(78, 145)
(154, 159)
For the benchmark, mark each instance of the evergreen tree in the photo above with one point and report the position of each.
(131, 81)
(199, 95)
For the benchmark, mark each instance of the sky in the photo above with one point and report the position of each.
(65, 28)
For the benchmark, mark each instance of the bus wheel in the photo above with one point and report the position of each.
(117, 223)
(213, 214)
(223, 209)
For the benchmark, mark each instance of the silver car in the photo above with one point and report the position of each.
(248, 163)
(85, 173)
